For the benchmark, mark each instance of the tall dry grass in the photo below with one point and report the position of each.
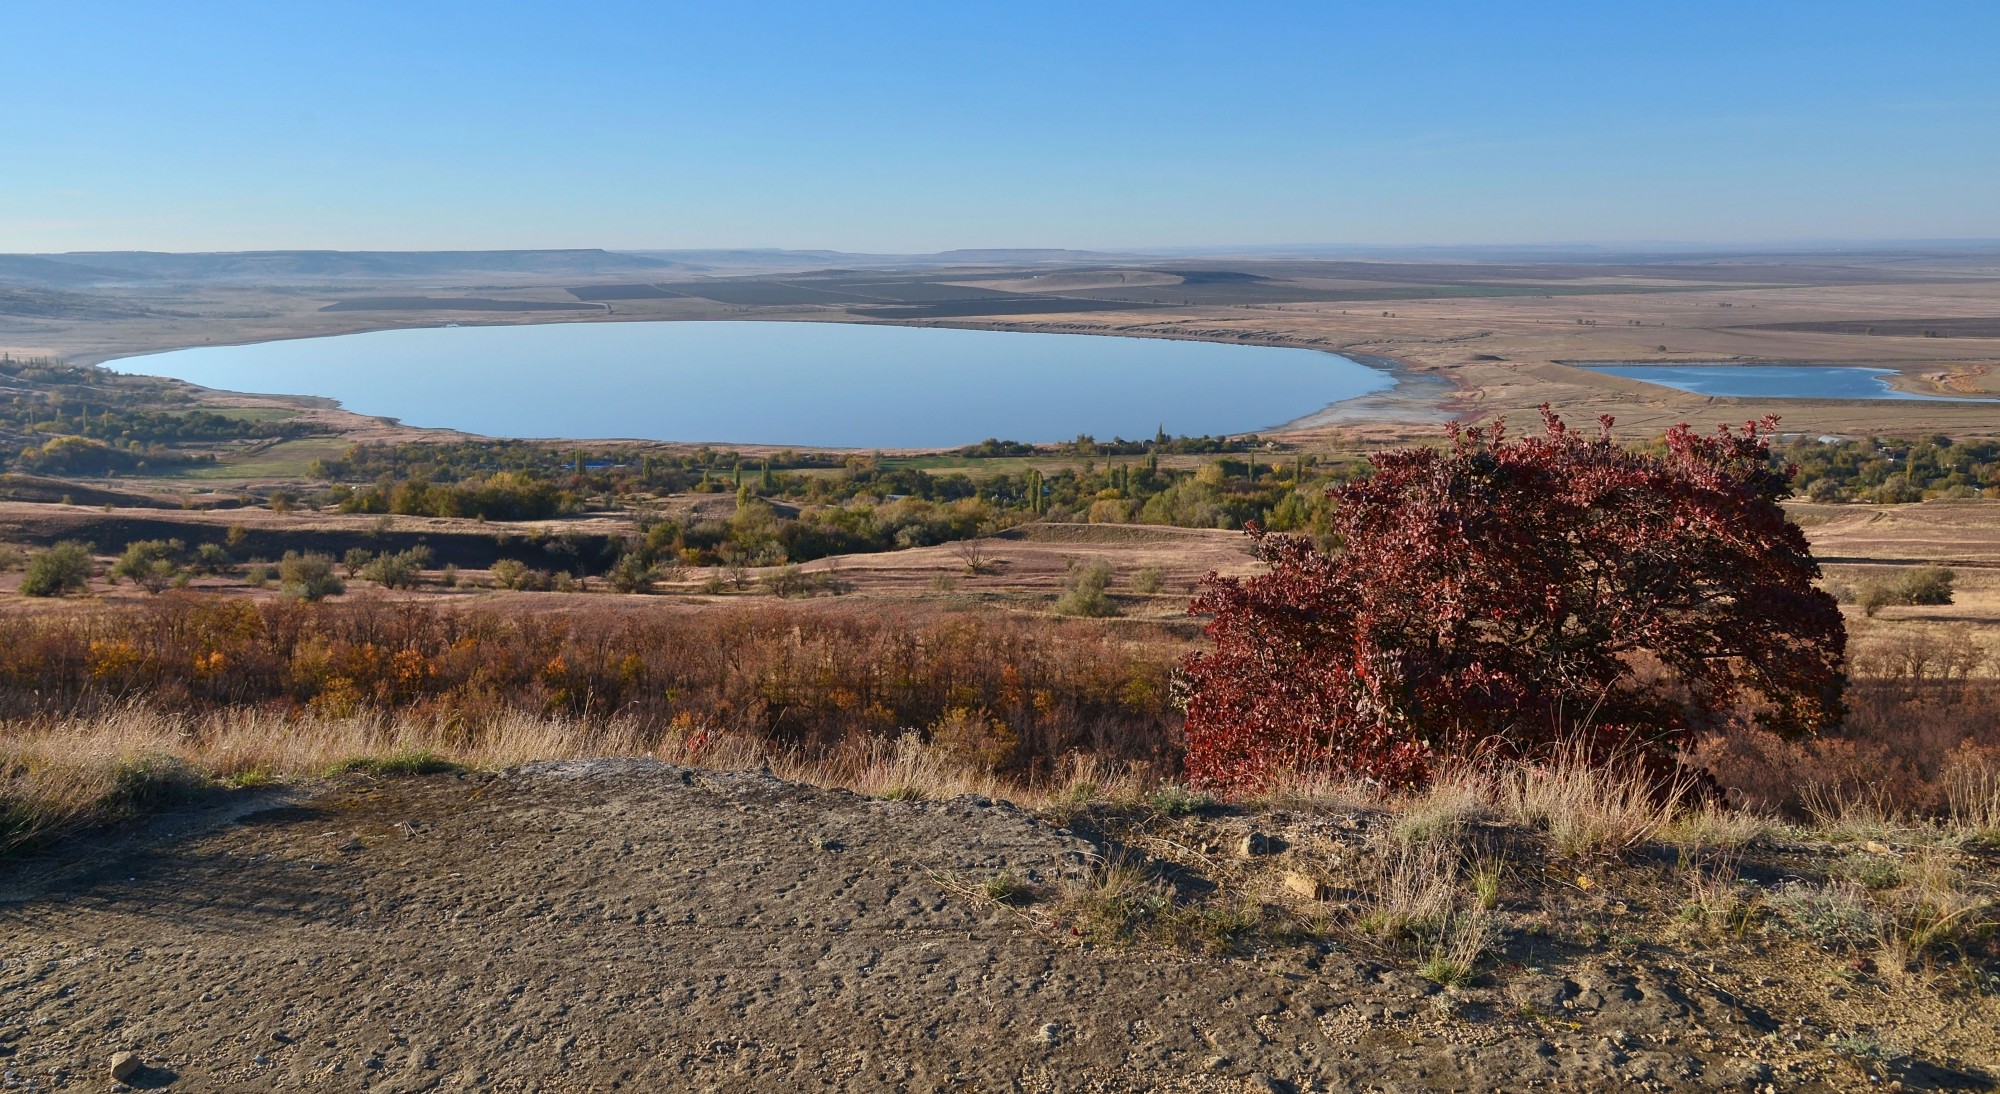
(62, 774)
(1017, 694)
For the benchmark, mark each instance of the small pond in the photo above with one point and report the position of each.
(809, 384)
(1774, 381)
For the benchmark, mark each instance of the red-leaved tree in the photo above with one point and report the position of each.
(1510, 596)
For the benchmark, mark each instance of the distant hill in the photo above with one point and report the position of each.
(45, 272)
(276, 267)
(774, 260)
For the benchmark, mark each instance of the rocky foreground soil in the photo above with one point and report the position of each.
(628, 925)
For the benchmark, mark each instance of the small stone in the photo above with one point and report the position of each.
(124, 1065)
(1307, 886)
(1217, 1063)
(352, 846)
(1877, 847)
(1049, 1036)
(1254, 843)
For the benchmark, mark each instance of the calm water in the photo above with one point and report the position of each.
(1774, 381)
(840, 385)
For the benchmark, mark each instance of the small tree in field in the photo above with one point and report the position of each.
(1504, 596)
(308, 576)
(62, 569)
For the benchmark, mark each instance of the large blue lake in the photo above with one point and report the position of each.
(830, 384)
(1773, 381)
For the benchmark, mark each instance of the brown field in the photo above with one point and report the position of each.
(910, 828)
(1474, 340)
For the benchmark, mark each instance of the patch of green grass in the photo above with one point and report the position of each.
(1009, 890)
(1210, 927)
(1173, 800)
(1486, 884)
(153, 784)
(286, 459)
(409, 761)
(1445, 971)
(1834, 914)
(1871, 871)
(253, 413)
(905, 792)
(41, 802)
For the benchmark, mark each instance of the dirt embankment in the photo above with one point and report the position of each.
(630, 925)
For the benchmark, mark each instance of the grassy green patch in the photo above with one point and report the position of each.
(286, 459)
(410, 761)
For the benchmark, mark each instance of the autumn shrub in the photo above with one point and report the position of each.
(1504, 597)
(510, 574)
(1903, 745)
(1016, 695)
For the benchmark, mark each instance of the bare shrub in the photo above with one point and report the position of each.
(974, 556)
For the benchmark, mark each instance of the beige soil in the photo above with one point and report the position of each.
(617, 924)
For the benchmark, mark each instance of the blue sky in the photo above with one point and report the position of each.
(924, 126)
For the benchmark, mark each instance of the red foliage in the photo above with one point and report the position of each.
(1504, 595)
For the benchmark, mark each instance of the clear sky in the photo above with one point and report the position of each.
(923, 126)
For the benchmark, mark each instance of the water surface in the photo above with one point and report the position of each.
(1774, 381)
(830, 384)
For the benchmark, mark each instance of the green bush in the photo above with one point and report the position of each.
(1150, 579)
(64, 568)
(212, 558)
(402, 570)
(308, 576)
(1925, 585)
(633, 574)
(152, 784)
(152, 564)
(512, 574)
(1084, 591)
(409, 761)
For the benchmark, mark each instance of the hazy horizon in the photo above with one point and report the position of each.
(911, 129)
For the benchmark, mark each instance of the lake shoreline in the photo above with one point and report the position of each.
(1402, 394)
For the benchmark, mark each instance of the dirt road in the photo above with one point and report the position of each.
(628, 925)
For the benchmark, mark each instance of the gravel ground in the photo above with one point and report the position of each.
(629, 925)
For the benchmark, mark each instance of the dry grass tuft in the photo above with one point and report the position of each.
(1972, 796)
(1707, 824)
(1588, 809)
(1412, 890)
(1440, 813)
